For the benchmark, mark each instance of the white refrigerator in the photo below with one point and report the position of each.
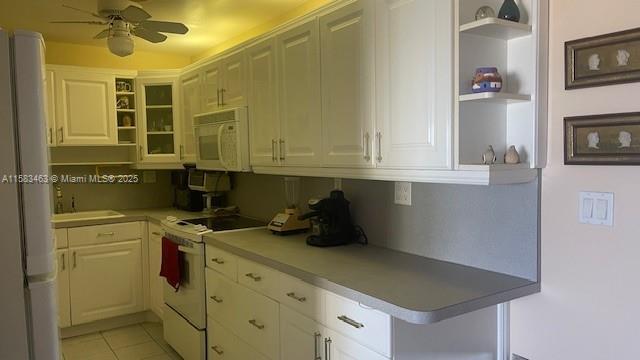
(28, 328)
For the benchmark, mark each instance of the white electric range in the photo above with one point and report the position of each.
(185, 318)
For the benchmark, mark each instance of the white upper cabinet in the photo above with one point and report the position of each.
(264, 123)
(159, 137)
(225, 82)
(211, 87)
(191, 104)
(85, 108)
(347, 48)
(234, 87)
(300, 102)
(414, 78)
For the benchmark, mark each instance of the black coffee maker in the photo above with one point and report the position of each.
(331, 222)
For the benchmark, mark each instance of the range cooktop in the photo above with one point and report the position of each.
(225, 223)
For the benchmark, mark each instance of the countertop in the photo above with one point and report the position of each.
(153, 215)
(416, 289)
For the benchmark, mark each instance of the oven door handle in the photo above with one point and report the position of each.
(187, 250)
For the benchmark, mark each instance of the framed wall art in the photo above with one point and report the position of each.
(609, 139)
(603, 60)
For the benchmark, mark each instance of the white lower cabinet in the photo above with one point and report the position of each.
(300, 337)
(64, 305)
(340, 347)
(106, 281)
(156, 300)
(284, 318)
(224, 345)
(257, 321)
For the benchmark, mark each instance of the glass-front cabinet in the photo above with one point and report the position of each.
(159, 135)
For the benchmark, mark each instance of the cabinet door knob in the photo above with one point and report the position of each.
(64, 267)
(367, 147)
(295, 297)
(273, 150)
(61, 134)
(350, 321)
(75, 260)
(216, 299)
(217, 349)
(253, 276)
(255, 323)
(218, 261)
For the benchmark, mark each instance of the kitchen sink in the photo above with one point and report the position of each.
(86, 215)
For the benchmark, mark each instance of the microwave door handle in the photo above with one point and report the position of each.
(220, 129)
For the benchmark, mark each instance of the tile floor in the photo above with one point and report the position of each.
(136, 342)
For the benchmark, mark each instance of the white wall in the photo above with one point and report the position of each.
(588, 307)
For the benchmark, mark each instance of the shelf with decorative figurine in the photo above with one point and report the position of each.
(501, 85)
(126, 111)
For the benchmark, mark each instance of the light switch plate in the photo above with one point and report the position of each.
(402, 193)
(596, 208)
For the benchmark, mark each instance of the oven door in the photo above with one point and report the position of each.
(189, 300)
(217, 147)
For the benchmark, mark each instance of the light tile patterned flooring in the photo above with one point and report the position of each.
(136, 342)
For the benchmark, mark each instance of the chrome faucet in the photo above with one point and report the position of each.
(59, 204)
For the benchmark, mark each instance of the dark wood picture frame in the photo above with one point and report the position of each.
(607, 139)
(616, 60)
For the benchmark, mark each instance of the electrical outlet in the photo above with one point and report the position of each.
(403, 193)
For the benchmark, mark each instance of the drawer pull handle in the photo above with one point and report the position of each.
(327, 348)
(316, 346)
(256, 324)
(216, 299)
(156, 233)
(110, 233)
(295, 297)
(253, 276)
(218, 261)
(351, 322)
(217, 350)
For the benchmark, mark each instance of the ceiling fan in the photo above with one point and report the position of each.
(126, 19)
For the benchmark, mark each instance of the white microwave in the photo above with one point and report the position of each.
(222, 140)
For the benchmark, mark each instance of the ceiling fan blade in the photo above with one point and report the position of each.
(81, 10)
(148, 35)
(102, 34)
(165, 27)
(80, 22)
(134, 14)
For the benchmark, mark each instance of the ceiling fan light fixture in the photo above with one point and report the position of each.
(120, 45)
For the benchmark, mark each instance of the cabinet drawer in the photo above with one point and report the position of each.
(258, 322)
(302, 297)
(367, 326)
(61, 240)
(222, 305)
(222, 262)
(258, 277)
(223, 345)
(101, 234)
(155, 231)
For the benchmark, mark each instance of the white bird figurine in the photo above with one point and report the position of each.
(512, 156)
(489, 156)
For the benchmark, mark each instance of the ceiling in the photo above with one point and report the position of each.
(210, 22)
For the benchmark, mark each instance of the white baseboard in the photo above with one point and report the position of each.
(108, 324)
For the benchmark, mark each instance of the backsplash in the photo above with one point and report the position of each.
(114, 196)
(490, 227)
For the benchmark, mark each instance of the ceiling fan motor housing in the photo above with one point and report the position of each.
(109, 8)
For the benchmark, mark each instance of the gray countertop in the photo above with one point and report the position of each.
(153, 215)
(416, 289)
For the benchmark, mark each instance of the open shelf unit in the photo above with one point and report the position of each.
(516, 115)
(126, 114)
